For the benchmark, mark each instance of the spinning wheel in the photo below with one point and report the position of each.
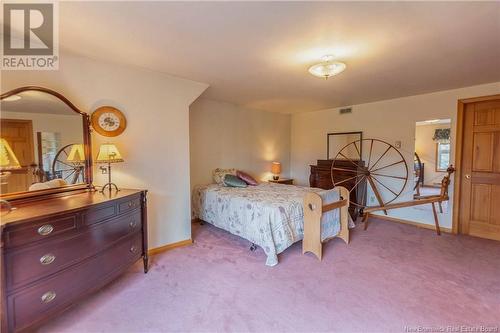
(380, 173)
(418, 170)
(71, 172)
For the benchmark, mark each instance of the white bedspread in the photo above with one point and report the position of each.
(269, 215)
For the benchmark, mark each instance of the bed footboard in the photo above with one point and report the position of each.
(313, 210)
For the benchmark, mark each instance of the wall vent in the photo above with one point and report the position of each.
(345, 110)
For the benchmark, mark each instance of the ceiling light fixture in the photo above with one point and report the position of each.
(327, 67)
(12, 98)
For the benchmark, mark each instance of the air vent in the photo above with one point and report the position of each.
(345, 110)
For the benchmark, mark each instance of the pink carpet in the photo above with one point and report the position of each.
(389, 277)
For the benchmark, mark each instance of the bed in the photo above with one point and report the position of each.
(270, 215)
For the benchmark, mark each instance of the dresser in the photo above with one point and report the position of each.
(57, 250)
(321, 177)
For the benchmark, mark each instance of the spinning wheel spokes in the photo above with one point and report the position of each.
(387, 166)
(385, 174)
(347, 179)
(357, 183)
(71, 172)
(345, 170)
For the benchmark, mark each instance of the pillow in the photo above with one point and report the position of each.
(58, 182)
(234, 181)
(218, 174)
(38, 186)
(246, 178)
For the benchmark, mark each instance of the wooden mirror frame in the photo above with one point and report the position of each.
(328, 157)
(26, 195)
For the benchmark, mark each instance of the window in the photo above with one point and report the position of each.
(442, 156)
(49, 145)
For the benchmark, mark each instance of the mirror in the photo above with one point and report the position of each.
(431, 158)
(44, 143)
(337, 141)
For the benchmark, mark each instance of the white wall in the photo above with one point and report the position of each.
(228, 136)
(155, 144)
(390, 120)
(425, 147)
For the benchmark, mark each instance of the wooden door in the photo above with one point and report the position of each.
(479, 213)
(19, 135)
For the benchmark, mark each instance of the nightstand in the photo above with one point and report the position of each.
(286, 181)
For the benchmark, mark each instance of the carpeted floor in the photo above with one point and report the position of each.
(391, 277)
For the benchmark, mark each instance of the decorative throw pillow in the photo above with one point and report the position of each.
(246, 178)
(218, 174)
(234, 181)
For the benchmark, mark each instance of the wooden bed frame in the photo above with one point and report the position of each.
(313, 210)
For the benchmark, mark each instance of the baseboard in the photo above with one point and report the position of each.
(163, 248)
(415, 224)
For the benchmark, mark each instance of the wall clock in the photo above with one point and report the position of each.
(108, 121)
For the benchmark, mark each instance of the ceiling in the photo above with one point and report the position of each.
(37, 102)
(256, 54)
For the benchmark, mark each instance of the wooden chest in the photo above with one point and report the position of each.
(57, 250)
(321, 176)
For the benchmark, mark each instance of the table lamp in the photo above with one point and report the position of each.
(276, 170)
(108, 153)
(76, 157)
(76, 154)
(8, 160)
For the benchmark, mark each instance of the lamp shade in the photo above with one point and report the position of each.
(276, 168)
(108, 153)
(8, 159)
(76, 154)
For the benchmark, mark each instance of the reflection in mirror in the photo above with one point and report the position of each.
(337, 141)
(431, 159)
(45, 136)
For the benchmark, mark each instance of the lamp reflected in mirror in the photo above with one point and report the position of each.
(8, 161)
(76, 157)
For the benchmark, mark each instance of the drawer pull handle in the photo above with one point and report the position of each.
(131, 204)
(133, 249)
(48, 297)
(132, 224)
(45, 229)
(47, 259)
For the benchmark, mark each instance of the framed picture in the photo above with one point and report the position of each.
(336, 141)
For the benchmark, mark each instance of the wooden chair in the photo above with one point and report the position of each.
(419, 200)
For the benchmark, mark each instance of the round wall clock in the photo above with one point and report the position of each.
(108, 121)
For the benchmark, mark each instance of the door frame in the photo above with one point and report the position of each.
(457, 180)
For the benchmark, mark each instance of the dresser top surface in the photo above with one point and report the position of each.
(46, 207)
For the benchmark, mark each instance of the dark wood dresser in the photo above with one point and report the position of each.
(57, 250)
(321, 176)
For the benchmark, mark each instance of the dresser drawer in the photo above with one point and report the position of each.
(129, 205)
(98, 214)
(28, 265)
(41, 229)
(40, 301)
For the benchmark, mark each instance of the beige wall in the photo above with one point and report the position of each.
(155, 144)
(227, 136)
(390, 120)
(425, 147)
